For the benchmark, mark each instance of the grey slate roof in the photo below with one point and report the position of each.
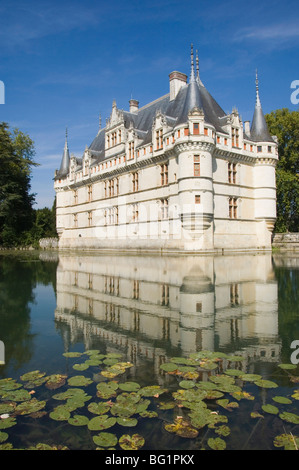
(65, 162)
(259, 130)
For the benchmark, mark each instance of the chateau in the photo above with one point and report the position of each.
(178, 174)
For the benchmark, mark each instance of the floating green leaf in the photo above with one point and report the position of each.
(81, 367)
(31, 376)
(289, 417)
(152, 390)
(60, 413)
(31, 406)
(129, 386)
(270, 409)
(98, 408)
(250, 377)
(216, 443)
(187, 384)
(78, 420)
(182, 428)
(55, 381)
(282, 400)
(72, 354)
(79, 381)
(225, 403)
(105, 439)
(16, 395)
(7, 423)
(3, 436)
(288, 441)
(168, 367)
(127, 422)
(106, 390)
(265, 383)
(100, 423)
(134, 442)
(287, 366)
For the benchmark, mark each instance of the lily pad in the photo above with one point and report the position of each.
(187, 384)
(182, 428)
(234, 372)
(265, 383)
(270, 409)
(127, 422)
(106, 390)
(287, 366)
(225, 403)
(99, 423)
(134, 442)
(152, 390)
(289, 417)
(9, 384)
(16, 395)
(288, 441)
(81, 367)
(105, 439)
(3, 436)
(60, 413)
(7, 423)
(129, 386)
(78, 420)
(216, 443)
(168, 366)
(250, 377)
(55, 381)
(282, 400)
(79, 381)
(72, 354)
(98, 408)
(31, 406)
(31, 376)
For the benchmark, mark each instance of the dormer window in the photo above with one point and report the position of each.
(196, 128)
(131, 150)
(235, 137)
(159, 139)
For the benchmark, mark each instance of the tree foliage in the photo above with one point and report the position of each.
(285, 125)
(16, 201)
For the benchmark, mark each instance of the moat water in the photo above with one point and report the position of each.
(146, 310)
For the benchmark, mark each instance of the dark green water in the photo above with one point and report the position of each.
(150, 309)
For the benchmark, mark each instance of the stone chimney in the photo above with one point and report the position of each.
(176, 81)
(247, 128)
(134, 104)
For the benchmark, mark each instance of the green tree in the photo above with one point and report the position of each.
(16, 201)
(285, 125)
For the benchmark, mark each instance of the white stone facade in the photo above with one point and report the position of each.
(176, 174)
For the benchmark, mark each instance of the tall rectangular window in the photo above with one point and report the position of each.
(135, 181)
(235, 137)
(164, 208)
(131, 150)
(233, 208)
(196, 164)
(232, 172)
(164, 174)
(159, 139)
(89, 218)
(195, 128)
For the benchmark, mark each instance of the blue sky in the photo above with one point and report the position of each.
(64, 62)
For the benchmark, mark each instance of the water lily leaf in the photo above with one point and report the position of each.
(184, 360)
(208, 365)
(106, 390)
(235, 358)
(60, 413)
(234, 372)
(270, 409)
(7, 423)
(91, 352)
(31, 376)
(222, 379)
(250, 377)
(55, 381)
(134, 442)
(289, 417)
(79, 381)
(216, 443)
(288, 441)
(31, 406)
(168, 367)
(182, 428)
(16, 395)
(98, 408)
(222, 430)
(225, 403)
(282, 400)
(142, 405)
(191, 395)
(81, 367)
(113, 371)
(124, 410)
(110, 361)
(70, 393)
(148, 414)
(242, 395)
(72, 354)
(296, 395)
(78, 420)
(99, 423)
(213, 394)
(93, 361)
(287, 366)
(127, 422)
(187, 384)
(7, 408)
(105, 439)
(256, 414)
(265, 383)
(166, 405)
(3, 436)
(152, 390)
(129, 386)
(9, 384)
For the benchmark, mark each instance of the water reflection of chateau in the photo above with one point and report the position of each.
(155, 307)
